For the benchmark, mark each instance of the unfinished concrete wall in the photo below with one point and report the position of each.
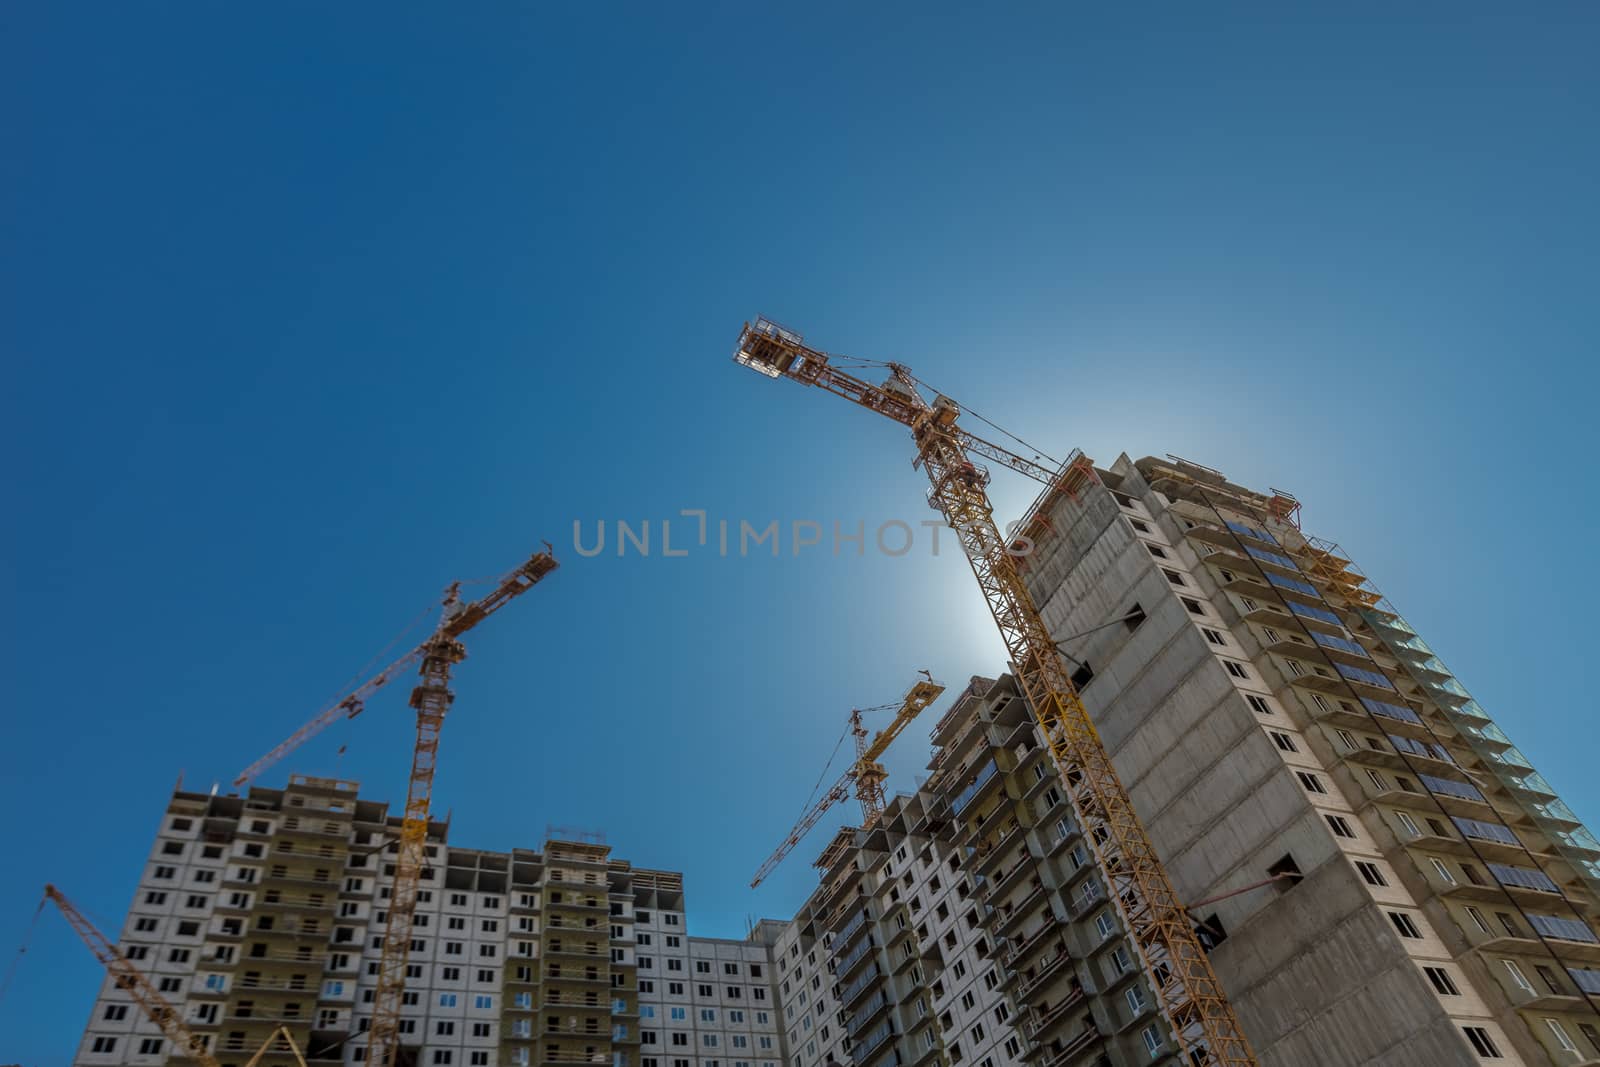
(1316, 971)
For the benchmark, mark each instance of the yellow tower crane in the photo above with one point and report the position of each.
(131, 980)
(866, 773)
(1189, 994)
(432, 699)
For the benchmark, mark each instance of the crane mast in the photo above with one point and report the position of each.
(1191, 997)
(133, 982)
(431, 699)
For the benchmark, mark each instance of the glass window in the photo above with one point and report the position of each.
(1294, 584)
(1517, 976)
(1482, 1043)
(1450, 787)
(1271, 557)
(1306, 611)
(1391, 711)
(1485, 831)
(1356, 674)
(1562, 929)
(1251, 531)
(1587, 980)
(1329, 641)
(1525, 877)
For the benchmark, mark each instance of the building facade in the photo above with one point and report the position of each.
(968, 924)
(1274, 717)
(1380, 876)
(267, 910)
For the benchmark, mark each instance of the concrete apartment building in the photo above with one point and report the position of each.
(1432, 901)
(267, 908)
(969, 924)
(1429, 900)
(1269, 712)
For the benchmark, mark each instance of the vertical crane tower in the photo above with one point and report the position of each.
(1186, 988)
(431, 699)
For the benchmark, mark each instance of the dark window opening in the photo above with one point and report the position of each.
(1285, 866)
(1211, 932)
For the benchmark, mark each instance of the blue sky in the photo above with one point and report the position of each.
(308, 312)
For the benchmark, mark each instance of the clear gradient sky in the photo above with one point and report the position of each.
(308, 309)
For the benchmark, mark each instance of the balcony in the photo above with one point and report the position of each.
(898, 929)
(1048, 969)
(255, 1018)
(1045, 1017)
(306, 930)
(1209, 533)
(590, 905)
(903, 960)
(856, 922)
(596, 1057)
(1447, 794)
(1528, 783)
(256, 983)
(976, 787)
(311, 903)
(867, 1012)
(1061, 841)
(318, 830)
(1484, 736)
(299, 958)
(321, 853)
(846, 963)
(1556, 812)
(588, 977)
(1496, 894)
(1032, 941)
(860, 985)
(590, 952)
(988, 854)
(296, 877)
(1007, 878)
(591, 1002)
(922, 1053)
(1502, 942)
(862, 1051)
(1072, 1048)
(1337, 708)
(1009, 919)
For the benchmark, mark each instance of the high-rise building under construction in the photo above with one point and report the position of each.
(1273, 716)
(1380, 876)
(267, 909)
